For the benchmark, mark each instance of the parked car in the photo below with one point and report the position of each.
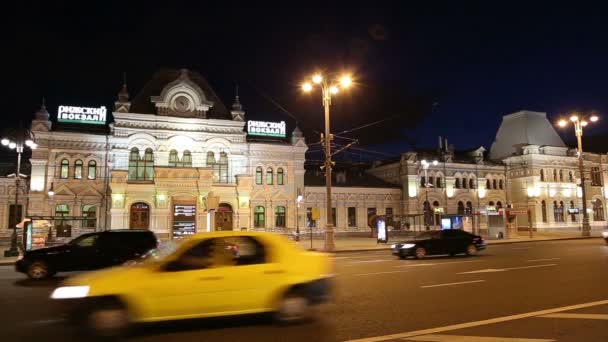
(207, 275)
(449, 241)
(87, 252)
(605, 236)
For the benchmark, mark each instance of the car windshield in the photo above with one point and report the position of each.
(431, 234)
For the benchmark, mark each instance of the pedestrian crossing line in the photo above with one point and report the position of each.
(459, 338)
(576, 316)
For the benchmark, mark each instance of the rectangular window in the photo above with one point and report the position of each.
(13, 219)
(389, 217)
(352, 216)
(310, 222)
(596, 176)
(333, 217)
(371, 212)
(90, 212)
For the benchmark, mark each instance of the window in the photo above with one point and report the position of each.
(141, 169)
(457, 183)
(491, 203)
(460, 208)
(259, 217)
(499, 205)
(371, 213)
(439, 183)
(90, 212)
(389, 217)
(471, 183)
(173, 158)
(187, 159)
(561, 175)
(13, 219)
(78, 169)
(223, 168)
(542, 175)
(500, 184)
(428, 216)
(561, 212)
(555, 175)
(570, 177)
(596, 176)
(464, 183)
(422, 181)
(280, 176)
(469, 209)
(133, 161)
(333, 217)
(598, 210)
(148, 165)
(269, 176)
(437, 216)
(210, 159)
(65, 169)
(572, 215)
(488, 184)
(558, 211)
(258, 175)
(61, 210)
(431, 181)
(494, 184)
(310, 222)
(279, 217)
(352, 216)
(543, 208)
(92, 173)
(242, 251)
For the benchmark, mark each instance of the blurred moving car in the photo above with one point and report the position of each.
(434, 242)
(87, 252)
(211, 274)
(605, 236)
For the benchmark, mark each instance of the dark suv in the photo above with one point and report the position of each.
(87, 252)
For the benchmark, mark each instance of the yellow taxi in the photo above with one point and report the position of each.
(205, 275)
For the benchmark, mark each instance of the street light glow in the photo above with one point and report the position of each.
(334, 89)
(435, 162)
(317, 78)
(562, 123)
(574, 118)
(307, 87)
(423, 161)
(5, 142)
(346, 81)
(34, 146)
(12, 145)
(29, 142)
(584, 123)
(594, 118)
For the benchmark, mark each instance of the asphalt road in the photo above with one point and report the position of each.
(539, 291)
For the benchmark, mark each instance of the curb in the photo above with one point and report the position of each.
(7, 263)
(489, 243)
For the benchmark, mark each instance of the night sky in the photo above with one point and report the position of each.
(432, 69)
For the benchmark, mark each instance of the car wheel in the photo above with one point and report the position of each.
(420, 252)
(38, 270)
(293, 307)
(471, 250)
(107, 320)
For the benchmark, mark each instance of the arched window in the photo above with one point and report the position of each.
(259, 217)
(210, 159)
(187, 159)
(223, 167)
(148, 165)
(133, 161)
(437, 216)
(460, 208)
(269, 176)
(471, 183)
(439, 183)
(598, 210)
(469, 209)
(90, 212)
(279, 217)
(542, 176)
(554, 175)
(561, 211)
(555, 211)
(570, 177)
(428, 216)
(422, 181)
(65, 169)
(61, 210)
(498, 205)
(464, 183)
(491, 203)
(92, 172)
(258, 175)
(280, 176)
(173, 158)
(500, 184)
(78, 169)
(488, 184)
(543, 208)
(561, 175)
(494, 184)
(457, 183)
(431, 181)
(572, 215)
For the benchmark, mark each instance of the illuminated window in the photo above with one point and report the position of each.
(223, 168)
(279, 217)
(259, 217)
(78, 169)
(90, 212)
(173, 158)
(269, 176)
(141, 169)
(65, 169)
(187, 159)
(92, 172)
(280, 176)
(258, 175)
(598, 210)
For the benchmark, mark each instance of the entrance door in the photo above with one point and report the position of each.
(140, 216)
(223, 217)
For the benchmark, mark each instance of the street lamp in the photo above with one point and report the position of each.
(328, 87)
(299, 200)
(579, 123)
(425, 166)
(17, 140)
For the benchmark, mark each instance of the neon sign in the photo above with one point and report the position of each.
(266, 129)
(84, 115)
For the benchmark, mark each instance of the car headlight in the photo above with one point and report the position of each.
(605, 234)
(407, 245)
(66, 292)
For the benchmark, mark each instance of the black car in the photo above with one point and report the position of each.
(87, 252)
(450, 241)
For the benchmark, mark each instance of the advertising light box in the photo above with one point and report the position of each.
(184, 220)
(83, 115)
(266, 129)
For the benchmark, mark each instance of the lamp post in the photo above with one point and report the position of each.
(328, 87)
(299, 199)
(17, 140)
(425, 166)
(579, 123)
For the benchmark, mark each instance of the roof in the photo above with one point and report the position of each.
(142, 103)
(343, 176)
(523, 128)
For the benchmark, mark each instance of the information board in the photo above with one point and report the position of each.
(184, 220)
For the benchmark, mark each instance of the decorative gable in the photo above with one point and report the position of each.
(182, 98)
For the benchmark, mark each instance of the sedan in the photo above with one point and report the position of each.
(435, 242)
(205, 275)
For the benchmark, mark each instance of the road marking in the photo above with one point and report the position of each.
(352, 263)
(522, 248)
(441, 263)
(457, 338)
(492, 270)
(450, 284)
(576, 316)
(548, 259)
(374, 273)
(480, 323)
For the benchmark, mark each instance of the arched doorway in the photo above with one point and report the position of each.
(139, 216)
(223, 217)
